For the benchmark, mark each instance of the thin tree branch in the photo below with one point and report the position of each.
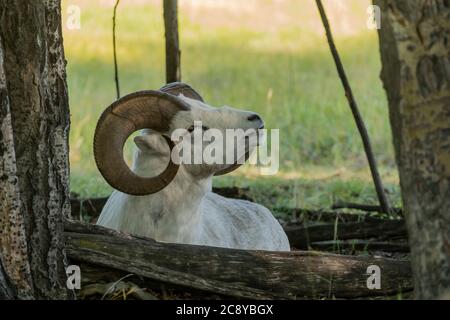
(173, 68)
(116, 70)
(382, 198)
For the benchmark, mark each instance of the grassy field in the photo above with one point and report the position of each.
(270, 57)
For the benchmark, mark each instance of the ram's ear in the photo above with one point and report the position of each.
(151, 142)
(142, 143)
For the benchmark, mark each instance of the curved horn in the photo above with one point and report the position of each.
(176, 88)
(139, 110)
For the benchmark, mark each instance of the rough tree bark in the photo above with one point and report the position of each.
(415, 52)
(14, 267)
(34, 120)
(173, 69)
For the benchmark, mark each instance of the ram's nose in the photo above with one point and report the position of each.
(255, 118)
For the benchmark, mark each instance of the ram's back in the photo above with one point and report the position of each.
(240, 224)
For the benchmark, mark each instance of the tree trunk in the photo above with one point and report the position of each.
(34, 175)
(415, 52)
(14, 267)
(173, 69)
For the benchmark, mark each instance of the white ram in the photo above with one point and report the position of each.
(177, 205)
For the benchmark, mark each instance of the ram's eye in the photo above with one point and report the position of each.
(191, 128)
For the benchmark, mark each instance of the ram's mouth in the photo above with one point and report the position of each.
(260, 135)
(256, 134)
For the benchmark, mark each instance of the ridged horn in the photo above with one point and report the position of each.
(140, 110)
(176, 88)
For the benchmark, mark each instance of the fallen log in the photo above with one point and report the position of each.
(301, 215)
(360, 245)
(301, 236)
(235, 273)
(364, 207)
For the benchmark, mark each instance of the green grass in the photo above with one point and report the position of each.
(287, 75)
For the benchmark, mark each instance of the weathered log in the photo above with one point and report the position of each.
(236, 273)
(301, 236)
(301, 215)
(94, 275)
(360, 245)
(364, 207)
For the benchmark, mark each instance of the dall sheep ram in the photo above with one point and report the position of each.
(177, 205)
